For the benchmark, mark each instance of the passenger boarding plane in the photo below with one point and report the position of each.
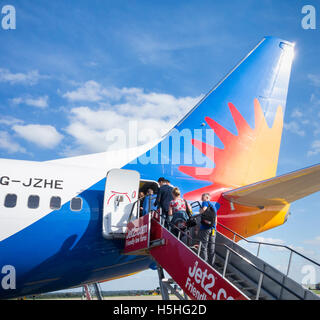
(62, 222)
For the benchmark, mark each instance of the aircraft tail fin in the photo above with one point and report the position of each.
(232, 136)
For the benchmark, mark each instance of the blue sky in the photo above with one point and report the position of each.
(69, 63)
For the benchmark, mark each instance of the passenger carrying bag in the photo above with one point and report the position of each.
(189, 213)
(191, 222)
(208, 218)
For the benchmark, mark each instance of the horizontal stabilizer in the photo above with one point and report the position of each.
(279, 190)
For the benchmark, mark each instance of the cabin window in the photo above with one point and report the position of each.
(76, 204)
(10, 200)
(55, 203)
(33, 202)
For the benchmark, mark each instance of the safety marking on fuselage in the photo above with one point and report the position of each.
(119, 277)
(120, 264)
(41, 281)
(116, 193)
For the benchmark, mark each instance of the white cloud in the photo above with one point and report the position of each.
(294, 127)
(44, 136)
(270, 240)
(91, 64)
(29, 78)
(135, 112)
(281, 268)
(7, 143)
(162, 51)
(314, 99)
(90, 91)
(314, 79)
(315, 241)
(9, 121)
(281, 242)
(315, 148)
(296, 113)
(39, 102)
(17, 100)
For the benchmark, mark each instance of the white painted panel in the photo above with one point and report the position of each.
(121, 191)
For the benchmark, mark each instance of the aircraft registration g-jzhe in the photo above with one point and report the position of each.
(62, 222)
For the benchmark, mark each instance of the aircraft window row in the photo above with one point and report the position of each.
(10, 201)
(33, 202)
(55, 203)
(76, 204)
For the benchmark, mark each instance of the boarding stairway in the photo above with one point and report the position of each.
(255, 277)
(236, 274)
(91, 291)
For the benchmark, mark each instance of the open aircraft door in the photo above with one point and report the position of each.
(121, 191)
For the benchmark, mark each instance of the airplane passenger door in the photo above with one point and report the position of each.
(121, 191)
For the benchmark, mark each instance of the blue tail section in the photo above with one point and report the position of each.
(248, 98)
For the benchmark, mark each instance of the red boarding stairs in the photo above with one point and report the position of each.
(236, 274)
(198, 279)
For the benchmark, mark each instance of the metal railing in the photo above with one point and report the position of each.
(229, 250)
(235, 234)
(227, 259)
(136, 216)
(138, 202)
(259, 243)
(262, 274)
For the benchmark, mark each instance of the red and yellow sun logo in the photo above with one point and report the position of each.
(248, 157)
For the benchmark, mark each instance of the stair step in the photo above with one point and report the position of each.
(248, 288)
(253, 297)
(217, 264)
(168, 280)
(239, 281)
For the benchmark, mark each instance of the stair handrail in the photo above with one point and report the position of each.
(241, 257)
(241, 237)
(263, 272)
(265, 243)
(270, 244)
(133, 206)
